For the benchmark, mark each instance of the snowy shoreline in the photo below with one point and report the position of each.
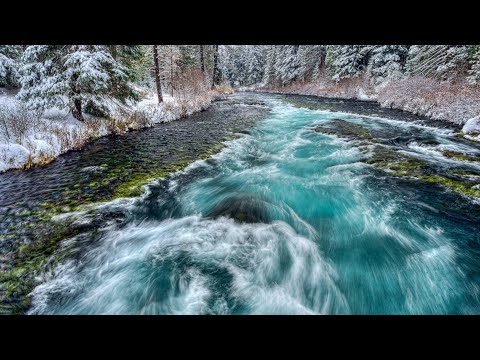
(29, 139)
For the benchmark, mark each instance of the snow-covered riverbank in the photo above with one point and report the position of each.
(28, 138)
(437, 100)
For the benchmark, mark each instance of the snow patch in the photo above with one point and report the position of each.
(12, 156)
(362, 95)
(472, 125)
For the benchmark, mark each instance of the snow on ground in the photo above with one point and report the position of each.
(12, 156)
(438, 100)
(471, 129)
(362, 95)
(28, 138)
(472, 125)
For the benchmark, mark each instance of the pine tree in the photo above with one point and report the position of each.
(287, 64)
(169, 59)
(346, 61)
(443, 62)
(188, 57)
(157, 73)
(216, 77)
(202, 60)
(474, 72)
(387, 62)
(311, 58)
(254, 69)
(141, 68)
(269, 75)
(9, 65)
(70, 76)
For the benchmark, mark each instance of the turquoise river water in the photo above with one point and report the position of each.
(286, 220)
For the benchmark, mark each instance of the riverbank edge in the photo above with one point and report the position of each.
(449, 103)
(143, 115)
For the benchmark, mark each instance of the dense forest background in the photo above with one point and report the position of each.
(83, 77)
(284, 64)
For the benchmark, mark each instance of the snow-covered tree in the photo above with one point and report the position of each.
(225, 62)
(474, 72)
(287, 64)
(234, 64)
(346, 61)
(443, 62)
(72, 76)
(216, 72)
(269, 73)
(311, 58)
(387, 62)
(9, 65)
(169, 59)
(254, 68)
(188, 56)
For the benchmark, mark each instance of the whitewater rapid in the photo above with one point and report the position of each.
(284, 220)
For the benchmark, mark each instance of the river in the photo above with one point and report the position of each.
(315, 207)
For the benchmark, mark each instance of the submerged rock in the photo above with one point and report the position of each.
(460, 181)
(246, 209)
(395, 163)
(345, 129)
(467, 188)
(94, 169)
(460, 156)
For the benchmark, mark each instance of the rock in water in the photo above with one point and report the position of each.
(246, 209)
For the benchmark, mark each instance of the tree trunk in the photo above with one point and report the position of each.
(216, 70)
(171, 71)
(113, 51)
(202, 60)
(77, 110)
(157, 74)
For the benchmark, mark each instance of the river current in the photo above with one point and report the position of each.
(286, 220)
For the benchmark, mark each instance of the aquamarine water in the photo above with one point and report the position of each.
(285, 220)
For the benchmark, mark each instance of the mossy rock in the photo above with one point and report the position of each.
(460, 156)
(395, 163)
(465, 173)
(461, 187)
(345, 129)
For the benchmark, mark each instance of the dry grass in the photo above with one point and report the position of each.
(16, 120)
(325, 87)
(455, 102)
(224, 89)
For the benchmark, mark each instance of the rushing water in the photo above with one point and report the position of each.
(285, 220)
